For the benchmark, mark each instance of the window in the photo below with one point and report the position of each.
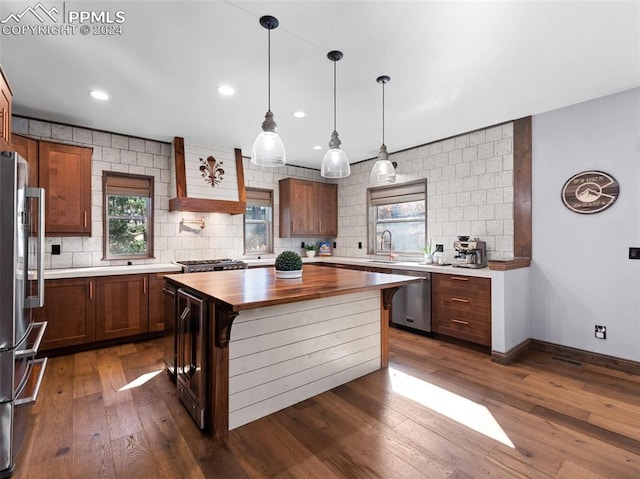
(128, 216)
(401, 209)
(258, 222)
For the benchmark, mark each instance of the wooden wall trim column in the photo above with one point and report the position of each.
(522, 188)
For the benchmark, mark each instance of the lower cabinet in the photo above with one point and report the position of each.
(461, 307)
(122, 306)
(86, 310)
(70, 312)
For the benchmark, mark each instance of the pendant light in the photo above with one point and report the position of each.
(268, 149)
(335, 163)
(383, 171)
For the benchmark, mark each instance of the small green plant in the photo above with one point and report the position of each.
(288, 261)
(428, 248)
(310, 247)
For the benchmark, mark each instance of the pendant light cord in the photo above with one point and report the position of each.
(383, 113)
(334, 95)
(269, 71)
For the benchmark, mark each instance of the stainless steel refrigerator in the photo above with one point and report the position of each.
(21, 290)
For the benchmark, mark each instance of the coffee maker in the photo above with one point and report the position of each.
(469, 253)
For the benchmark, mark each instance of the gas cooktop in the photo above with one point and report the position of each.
(193, 266)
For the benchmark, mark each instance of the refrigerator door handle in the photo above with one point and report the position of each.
(37, 301)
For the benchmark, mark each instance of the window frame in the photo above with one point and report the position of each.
(257, 197)
(400, 193)
(118, 183)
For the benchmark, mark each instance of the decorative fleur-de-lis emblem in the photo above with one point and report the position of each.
(211, 170)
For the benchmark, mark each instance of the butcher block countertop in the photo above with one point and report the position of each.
(256, 288)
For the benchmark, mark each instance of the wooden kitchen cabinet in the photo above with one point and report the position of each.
(64, 171)
(6, 97)
(308, 208)
(27, 149)
(461, 307)
(70, 312)
(122, 306)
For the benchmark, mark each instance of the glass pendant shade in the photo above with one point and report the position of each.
(335, 163)
(383, 171)
(268, 149)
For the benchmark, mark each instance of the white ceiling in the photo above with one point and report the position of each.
(454, 67)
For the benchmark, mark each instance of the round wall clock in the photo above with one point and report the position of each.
(590, 192)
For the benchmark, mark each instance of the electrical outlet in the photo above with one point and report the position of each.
(55, 249)
(601, 332)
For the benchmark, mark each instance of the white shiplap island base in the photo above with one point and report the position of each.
(281, 355)
(276, 342)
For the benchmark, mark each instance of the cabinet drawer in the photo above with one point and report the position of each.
(463, 327)
(462, 304)
(462, 286)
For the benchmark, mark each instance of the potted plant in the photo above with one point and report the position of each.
(428, 251)
(310, 250)
(288, 265)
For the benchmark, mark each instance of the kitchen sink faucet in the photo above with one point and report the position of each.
(390, 243)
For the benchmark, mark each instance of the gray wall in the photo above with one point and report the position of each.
(581, 274)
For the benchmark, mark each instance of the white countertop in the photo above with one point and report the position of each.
(111, 270)
(375, 263)
(174, 268)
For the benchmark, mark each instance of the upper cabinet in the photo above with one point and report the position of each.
(27, 149)
(308, 208)
(64, 171)
(5, 112)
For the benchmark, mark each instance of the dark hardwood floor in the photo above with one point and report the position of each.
(440, 411)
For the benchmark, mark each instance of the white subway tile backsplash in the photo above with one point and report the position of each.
(504, 178)
(60, 132)
(504, 147)
(463, 198)
(504, 211)
(468, 193)
(486, 212)
(477, 137)
(463, 170)
(41, 129)
(494, 133)
(461, 141)
(470, 183)
(82, 135)
(101, 138)
(495, 227)
(495, 196)
(486, 181)
(470, 213)
(20, 125)
(470, 154)
(478, 197)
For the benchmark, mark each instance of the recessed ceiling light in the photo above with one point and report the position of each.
(99, 95)
(226, 90)
(299, 114)
(317, 147)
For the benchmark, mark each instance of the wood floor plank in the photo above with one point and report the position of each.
(92, 454)
(564, 421)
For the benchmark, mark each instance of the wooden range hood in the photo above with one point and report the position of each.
(206, 180)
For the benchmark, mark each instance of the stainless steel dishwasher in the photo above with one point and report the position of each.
(411, 306)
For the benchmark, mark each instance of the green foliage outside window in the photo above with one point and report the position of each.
(127, 217)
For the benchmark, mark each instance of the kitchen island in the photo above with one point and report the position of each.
(266, 343)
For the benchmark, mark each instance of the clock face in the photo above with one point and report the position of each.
(590, 192)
